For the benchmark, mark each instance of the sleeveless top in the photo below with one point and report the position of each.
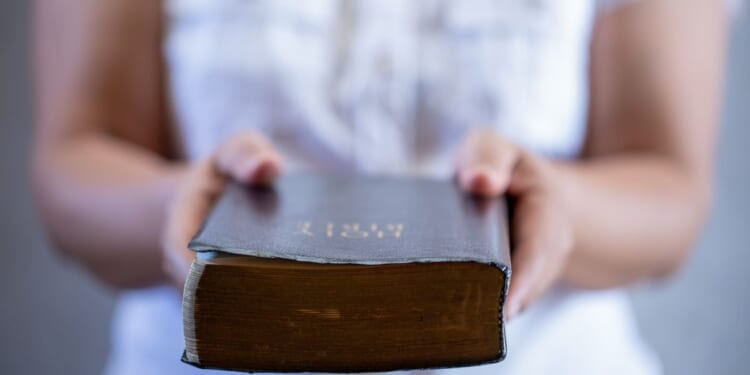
(388, 87)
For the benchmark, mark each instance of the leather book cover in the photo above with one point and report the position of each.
(356, 219)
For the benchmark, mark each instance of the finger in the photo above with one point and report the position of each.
(249, 158)
(542, 243)
(529, 173)
(485, 163)
(191, 204)
(528, 265)
(481, 180)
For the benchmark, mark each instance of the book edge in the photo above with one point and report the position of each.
(200, 247)
(196, 364)
(502, 340)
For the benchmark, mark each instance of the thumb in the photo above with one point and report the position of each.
(485, 163)
(189, 206)
(249, 158)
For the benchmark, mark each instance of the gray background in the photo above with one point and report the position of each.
(54, 318)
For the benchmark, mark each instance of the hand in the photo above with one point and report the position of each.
(542, 235)
(248, 158)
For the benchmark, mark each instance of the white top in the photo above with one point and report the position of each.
(388, 87)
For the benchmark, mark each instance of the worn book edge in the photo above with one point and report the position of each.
(198, 365)
(208, 252)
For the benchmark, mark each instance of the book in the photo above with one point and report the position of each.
(327, 273)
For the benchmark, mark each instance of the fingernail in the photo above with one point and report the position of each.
(249, 169)
(482, 180)
(265, 172)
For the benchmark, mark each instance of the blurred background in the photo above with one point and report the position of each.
(54, 319)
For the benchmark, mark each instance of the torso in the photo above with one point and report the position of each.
(335, 84)
(389, 88)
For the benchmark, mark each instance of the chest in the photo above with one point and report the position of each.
(355, 77)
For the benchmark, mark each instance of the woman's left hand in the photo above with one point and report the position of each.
(541, 229)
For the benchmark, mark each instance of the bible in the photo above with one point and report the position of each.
(328, 273)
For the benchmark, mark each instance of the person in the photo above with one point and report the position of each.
(598, 117)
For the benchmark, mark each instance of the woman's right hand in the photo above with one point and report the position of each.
(248, 158)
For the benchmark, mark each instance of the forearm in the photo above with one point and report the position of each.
(103, 201)
(635, 216)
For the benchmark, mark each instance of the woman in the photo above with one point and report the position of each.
(600, 118)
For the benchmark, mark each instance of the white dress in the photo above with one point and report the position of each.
(388, 87)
